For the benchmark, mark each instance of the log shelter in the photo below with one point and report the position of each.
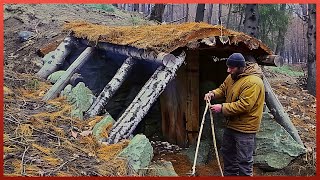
(182, 56)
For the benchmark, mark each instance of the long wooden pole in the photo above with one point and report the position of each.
(111, 87)
(277, 111)
(214, 140)
(64, 79)
(55, 58)
(139, 107)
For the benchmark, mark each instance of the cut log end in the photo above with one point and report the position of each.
(271, 60)
(167, 59)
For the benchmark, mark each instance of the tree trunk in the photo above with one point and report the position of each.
(229, 14)
(139, 107)
(210, 13)
(187, 12)
(278, 112)
(219, 14)
(171, 12)
(64, 79)
(54, 59)
(311, 35)
(200, 13)
(251, 20)
(136, 7)
(241, 17)
(143, 8)
(111, 88)
(157, 12)
(281, 35)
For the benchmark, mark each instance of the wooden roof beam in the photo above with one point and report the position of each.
(161, 58)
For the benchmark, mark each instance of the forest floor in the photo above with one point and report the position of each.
(41, 140)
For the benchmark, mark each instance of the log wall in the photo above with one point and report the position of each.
(180, 104)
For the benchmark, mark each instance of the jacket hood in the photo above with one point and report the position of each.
(251, 69)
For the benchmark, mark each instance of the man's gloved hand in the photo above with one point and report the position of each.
(217, 108)
(208, 96)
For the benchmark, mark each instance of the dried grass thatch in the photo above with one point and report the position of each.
(160, 38)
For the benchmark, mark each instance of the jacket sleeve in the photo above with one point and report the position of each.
(220, 91)
(245, 102)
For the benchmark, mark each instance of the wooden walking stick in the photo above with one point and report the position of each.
(199, 138)
(214, 140)
(198, 142)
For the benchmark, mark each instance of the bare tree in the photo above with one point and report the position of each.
(251, 20)
(219, 14)
(135, 7)
(241, 17)
(200, 13)
(210, 13)
(157, 12)
(187, 12)
(281, 35)
(311, 35)
(229, 15)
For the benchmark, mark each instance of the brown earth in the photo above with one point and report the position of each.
(40, 138)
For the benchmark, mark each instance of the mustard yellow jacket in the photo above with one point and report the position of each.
(244, 99)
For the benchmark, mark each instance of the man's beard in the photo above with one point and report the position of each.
(235, 76)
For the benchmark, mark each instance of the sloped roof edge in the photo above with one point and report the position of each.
(160, 38)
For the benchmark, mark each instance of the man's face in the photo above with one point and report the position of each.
(234, 71)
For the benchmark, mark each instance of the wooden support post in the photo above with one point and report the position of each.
(55, 58)
(111, 87)
(139, 107)
(192, 98)
(64, 79)
(277, 111)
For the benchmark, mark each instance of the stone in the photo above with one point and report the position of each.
(275, 147)
(203, 152)
(100, 127)
(66, 91)
(53, 78)
(160, 168)
(139, 153)
(81, 99)
(25, 35)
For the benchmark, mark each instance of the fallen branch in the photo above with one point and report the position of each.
(57, 169)
(41, 131)
(18, 142)
(23, 170)
(24, 46)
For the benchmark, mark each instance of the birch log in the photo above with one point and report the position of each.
(277, 111)
(55, 58)
(148, 55)
(64, 79)
(111, 87)
(139, 107)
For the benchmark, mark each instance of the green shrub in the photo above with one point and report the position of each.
(104, 7)
(287, 70)
(33, 84)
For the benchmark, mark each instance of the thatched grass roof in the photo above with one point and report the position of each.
(160, 38)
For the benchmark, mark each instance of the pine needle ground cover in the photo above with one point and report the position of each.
(41, 138)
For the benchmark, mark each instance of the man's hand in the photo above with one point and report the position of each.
(208, 96)
(217, 108)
